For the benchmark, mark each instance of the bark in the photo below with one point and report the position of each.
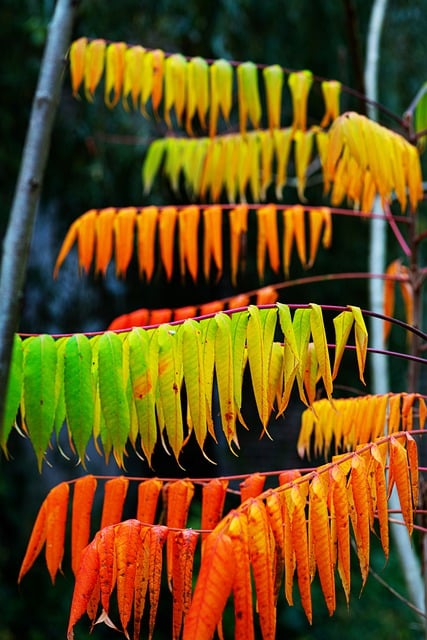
(18, 235)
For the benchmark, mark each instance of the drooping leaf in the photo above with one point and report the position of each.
(184, 543)
(321, 347)
(220, 86)
(39, 398)
(273, 79)
(77, 55)
(114, 496)
(213, 498)
(213, 586)
(331, 90)
(197, 92)
(13, 392)
(260, 335)
(79, 390)
(114, 403)
(36, 541)
(169, 384)
(83, 496)
(179, 496)
(300, 83)
(114, 72)
(94, 66)
(321, 540)
(252, 486)
(85, 584)
(248, 95)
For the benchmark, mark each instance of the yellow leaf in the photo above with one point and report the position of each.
(77, 63)
(266, 142)
(303, 151)
(133, 77)
(192, 361)
(221, 85)
(300, 83)
(321, 347)
(248, 95)
(94, 66)
(197, 92)
(273, 79)
(114, 72)
(342, 324)
(361, 339)
(175, 92)
(282, 145)
(224, 367)
(260, 334)
(331, 90)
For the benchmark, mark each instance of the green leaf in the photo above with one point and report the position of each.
(260, 335)
(39, 397)
(194, 377)
(248, 95)
(420, 117)
(143, 376)
(60, 414)
(152, 162)
(13, 393)
(170, 378)
(112, 393)
(321, 346)
(79, 391)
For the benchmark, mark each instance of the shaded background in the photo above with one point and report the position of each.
(89, 168)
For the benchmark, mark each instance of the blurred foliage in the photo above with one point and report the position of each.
(87, 168)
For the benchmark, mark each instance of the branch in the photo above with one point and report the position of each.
(28, 188)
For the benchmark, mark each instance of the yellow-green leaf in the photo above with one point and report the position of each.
(321, 346)
(112, 392)
(193, 367)
(169, 381)
(248, 95)
(260, 335)
(273, 79)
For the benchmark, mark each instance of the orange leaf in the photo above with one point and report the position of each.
(213, 586)
(179, 496)
(77, 63)
(341, 528)
(399, 471)
(381, 501)
(242, 587)
(320, 532)
(104, 226)
(412, 452)
(188, 239)
(166, 226)
(184, 545)
(56, 508)
(146, 224)
(148, 495)
(252, 486)
(213, 498)
(114, 496)
(141, 578)
(36, 541)
(107, 569)
(238, 227)
(212, 217)
(124, 238)
(86, 581)
(127, 543)
(158, 536)
(360, 491)
(300, 545)
(267, 239)
(261, 556)
(84, 492)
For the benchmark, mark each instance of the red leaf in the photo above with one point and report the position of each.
(84, 491)
(114, 497)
